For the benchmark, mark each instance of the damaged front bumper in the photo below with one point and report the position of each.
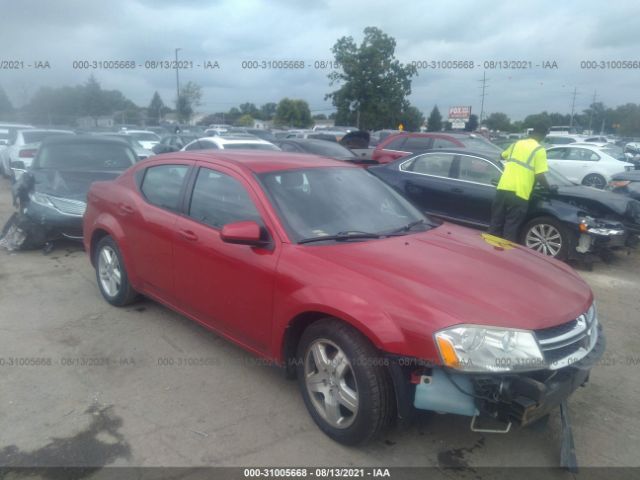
(510, 398)
(57, 216)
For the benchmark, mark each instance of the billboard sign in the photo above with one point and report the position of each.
(461, 114)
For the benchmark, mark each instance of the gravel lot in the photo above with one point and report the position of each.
(109, 395)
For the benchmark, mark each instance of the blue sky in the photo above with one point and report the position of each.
(231, 32)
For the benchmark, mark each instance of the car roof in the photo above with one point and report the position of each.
(260, 161)
(36, 130)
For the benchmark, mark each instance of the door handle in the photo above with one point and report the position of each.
(456, 190)
(188, 235)
(126, 209)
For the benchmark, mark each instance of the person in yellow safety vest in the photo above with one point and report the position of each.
(525, 163)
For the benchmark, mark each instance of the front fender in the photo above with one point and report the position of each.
(371, 321)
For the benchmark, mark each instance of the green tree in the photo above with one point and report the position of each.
(245, 120)
(156, 109)
(189, 98)
(448, 126)
(319, 116)
(268, 111)
(498, 121)
(472, 124)
(249, 109)
(293, 113)
(5, 104)
(373, 84)
(434, 123)
(412, 119)
(94, 103)
(538, 119)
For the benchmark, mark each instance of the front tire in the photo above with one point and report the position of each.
(548, 236)
(343, 382)
(594, 180)
(111, 274)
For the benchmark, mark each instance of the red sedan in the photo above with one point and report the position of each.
(320, 267)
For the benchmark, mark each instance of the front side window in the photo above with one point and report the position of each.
(162, 184)
(396, 144)
(437, 164)
(473, 169)
(219, 199)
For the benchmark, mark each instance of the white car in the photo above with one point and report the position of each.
(16, 155)
(228, 142)
(586, 164)
(7, 132)
(146, 138)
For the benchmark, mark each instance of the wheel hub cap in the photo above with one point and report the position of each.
(330, 383)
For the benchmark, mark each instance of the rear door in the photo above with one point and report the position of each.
(558, 159)
(228, 287)
(426, 181)
(149, 223)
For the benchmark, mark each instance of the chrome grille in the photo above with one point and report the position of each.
(69, 207)
(570, 342)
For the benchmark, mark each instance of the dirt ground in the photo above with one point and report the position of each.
(142, 385)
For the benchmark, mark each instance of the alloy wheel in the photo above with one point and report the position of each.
(544, 238)
(330, 383)
(109, 271)
(595, 181)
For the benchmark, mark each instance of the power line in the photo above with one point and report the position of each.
(484, 86)
(573, 105)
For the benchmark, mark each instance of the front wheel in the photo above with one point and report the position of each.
(111, 274)
(344, 383)
(548, 236)
(594, 180)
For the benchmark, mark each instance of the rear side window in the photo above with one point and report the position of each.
(219, 199)
(432, 164)
(162, 184)
(473, 169)
(395, 144)
(415, 144)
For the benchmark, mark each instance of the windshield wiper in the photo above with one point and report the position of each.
(409, 226)
(341, 236)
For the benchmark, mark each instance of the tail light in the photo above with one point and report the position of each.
(619, 183)
(28, 153)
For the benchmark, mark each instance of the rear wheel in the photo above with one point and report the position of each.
(343, 382)
(548, 236)
(111, 274)
(594, 180)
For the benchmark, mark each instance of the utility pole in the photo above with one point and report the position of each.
(591, 110)
(177, 80)
(573, 105)
(484, 87)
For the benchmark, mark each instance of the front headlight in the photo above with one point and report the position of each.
(476, 348)
(41, 199)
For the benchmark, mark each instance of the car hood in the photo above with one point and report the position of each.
(69, 184)
(600, 202)
(458, 275)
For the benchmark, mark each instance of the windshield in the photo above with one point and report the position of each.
(554, 177)
(479, 143)
(145, 137)
(330, 150)
(319, 202)
(85, 156)
(37, 137)
(250, 146)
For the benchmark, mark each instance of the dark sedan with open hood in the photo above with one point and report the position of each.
(460, 185)
(51, 195)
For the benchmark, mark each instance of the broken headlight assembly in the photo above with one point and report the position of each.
(41, 199)
(592, 225)
(477, 348)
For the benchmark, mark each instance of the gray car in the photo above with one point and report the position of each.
(19, 138)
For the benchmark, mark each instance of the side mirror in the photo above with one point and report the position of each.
(243, 233)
